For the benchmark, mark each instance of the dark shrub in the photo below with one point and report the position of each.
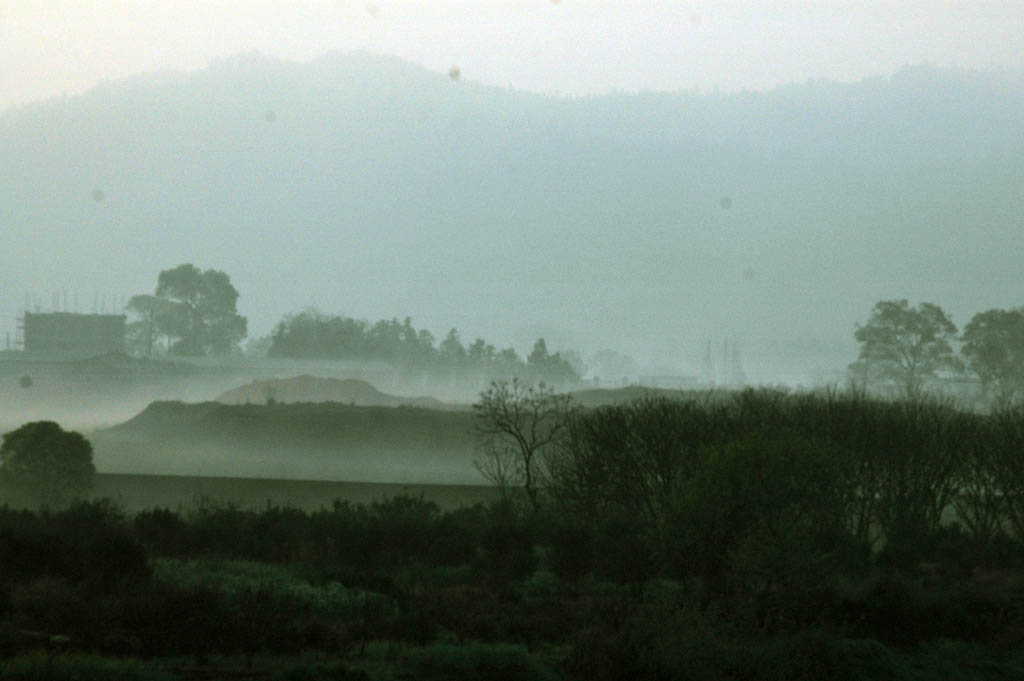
(454, 543)
(572, 552)
(76, 667)
(171, 620)
(468, 612)
(606, 648)
(113, 557)
(325, 672)
(405, 527)
(83, 518)
(274, 535)
(52, 605)
(476, 662)
(161, 530)
(506, 554)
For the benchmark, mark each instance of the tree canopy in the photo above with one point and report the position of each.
(906, 345)
(154, 315)
(312, 334)
(201, 312)
(994, 350)
(45, 462)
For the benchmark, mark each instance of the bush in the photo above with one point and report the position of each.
(946, 660)
(571, 555)
(468, 612)
(112, 558)
(50, 464)
(162, 531)
(405, 528)
(507, 554)
(476, 662)
(75, 667)
(329, 672)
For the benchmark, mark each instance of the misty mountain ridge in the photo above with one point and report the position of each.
(648, 222)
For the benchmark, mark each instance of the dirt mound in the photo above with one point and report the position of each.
(164, 419)
(302, 440)
(308, 388)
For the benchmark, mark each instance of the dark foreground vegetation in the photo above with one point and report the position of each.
(751, 536)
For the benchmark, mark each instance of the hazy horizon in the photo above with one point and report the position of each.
(568, 47)
(321, 154)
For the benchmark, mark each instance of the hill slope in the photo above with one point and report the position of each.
(308, 388)
(647, 222)
(326, 440)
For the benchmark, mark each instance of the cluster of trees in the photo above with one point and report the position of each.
(910, 347)
(311, 334)
(865, 471)
(194, 310)
(771, 506)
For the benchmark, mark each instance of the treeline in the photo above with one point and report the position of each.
(838, 469)
(786, 515)
(764, 466)
(311, 334)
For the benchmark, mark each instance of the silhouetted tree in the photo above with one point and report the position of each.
(632, 461)
(907, 345)
(154, 313)
(451, 350)
(575, 361)
(46, 462)
(544, 366)
(994, 350)
(515, 425)
(206, 320)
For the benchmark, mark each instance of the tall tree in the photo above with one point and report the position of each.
(451, 349)
(210, 323)
(543, 366)
(994, 350)
(152, 314)
(515, 425)
(907, 345)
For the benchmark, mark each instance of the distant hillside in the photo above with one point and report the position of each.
(308, 388)
(326, 440)
(311, 440)
(645, 222)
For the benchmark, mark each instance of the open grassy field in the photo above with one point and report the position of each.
(138, 492)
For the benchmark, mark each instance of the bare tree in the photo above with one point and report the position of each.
(498, 463)
(515, 425)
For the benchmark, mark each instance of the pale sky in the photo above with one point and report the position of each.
(54, 47)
